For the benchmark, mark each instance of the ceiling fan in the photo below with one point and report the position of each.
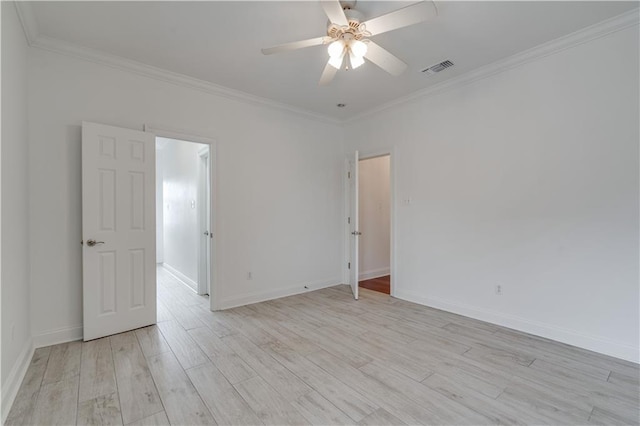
(348, 36)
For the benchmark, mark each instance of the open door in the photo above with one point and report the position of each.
(118, 230)
(355, 233)
(204, 222)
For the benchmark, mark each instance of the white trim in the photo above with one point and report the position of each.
(346, 208)
(12, 384)
(178, 134)
(57, 336)
(27, 20)
(16, 375)
(600, 29)
(374, 273)
(276, 294)
(549, 331)
(129, 65)
(204, 220)
(213, 199)
(191, 284)
(365, 155)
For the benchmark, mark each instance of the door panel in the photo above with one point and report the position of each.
(354, 228)
(204, 222)
(118, 199)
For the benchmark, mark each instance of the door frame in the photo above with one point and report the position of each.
(164, 132)
(204, 251)
(366, 155)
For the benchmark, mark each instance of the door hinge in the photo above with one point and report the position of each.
(349, 175)
(349, 265)
(348, 220)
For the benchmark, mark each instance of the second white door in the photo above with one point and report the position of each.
(355, 233)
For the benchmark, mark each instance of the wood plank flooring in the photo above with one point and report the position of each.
(380, 284)
(321, 358)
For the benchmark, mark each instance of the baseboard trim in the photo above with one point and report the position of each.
(249, 299)
(191, 284)
(374, 273)
(57, 336)
(549, 331)
(14, 379)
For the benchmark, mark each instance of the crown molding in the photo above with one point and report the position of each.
(27, 20)
(129, 65)
(35, 39)
(593, 32)
(598, 30)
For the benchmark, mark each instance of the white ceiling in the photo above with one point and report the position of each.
(220, 42)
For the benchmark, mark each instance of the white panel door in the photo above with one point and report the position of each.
(118, 230)
(355, 233)
(204, 223)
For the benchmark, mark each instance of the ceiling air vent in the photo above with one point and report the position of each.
(438, 67)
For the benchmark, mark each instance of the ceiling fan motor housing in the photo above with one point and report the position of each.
(352, 31)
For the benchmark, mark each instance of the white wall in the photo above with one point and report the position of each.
(279, 183)
(181, 229)
(527, 179)
(16, 324)
(374, 214)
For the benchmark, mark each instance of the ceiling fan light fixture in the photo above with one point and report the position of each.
(349, 35)
(336, 61)
(335, 49)
(355, 60)
(358, 48)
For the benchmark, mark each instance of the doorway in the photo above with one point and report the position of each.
(376, 261)
(374, 218)
(183, 217)
(204, 218)
(126, 234)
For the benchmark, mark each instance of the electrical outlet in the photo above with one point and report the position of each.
(499, 290)
(249, 275)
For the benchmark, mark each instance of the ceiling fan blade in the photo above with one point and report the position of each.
(334, 12)
(400, 18)
(293, 45)
(328, 74)
(385, 60)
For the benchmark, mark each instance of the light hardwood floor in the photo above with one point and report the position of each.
(321, 358)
